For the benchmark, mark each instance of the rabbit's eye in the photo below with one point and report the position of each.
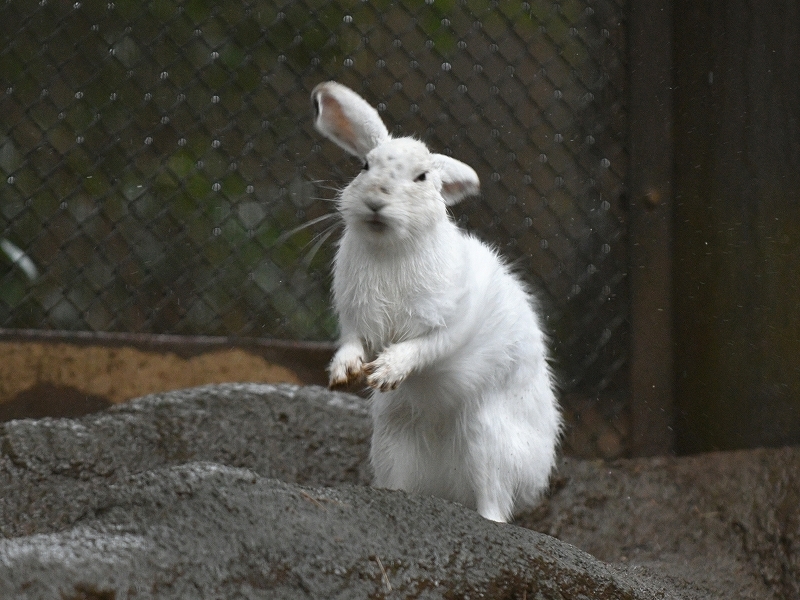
(422, 176)
(365, 167)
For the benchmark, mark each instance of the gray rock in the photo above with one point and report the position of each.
(296, 434)
(257, 491)
(208, 530)
(727, 521)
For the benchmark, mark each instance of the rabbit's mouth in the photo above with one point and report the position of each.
(376, 223)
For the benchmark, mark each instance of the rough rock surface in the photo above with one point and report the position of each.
(256, 491)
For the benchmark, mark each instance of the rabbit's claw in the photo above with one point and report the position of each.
(345, 371)
(385, 373)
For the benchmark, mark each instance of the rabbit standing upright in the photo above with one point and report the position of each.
(432, 319)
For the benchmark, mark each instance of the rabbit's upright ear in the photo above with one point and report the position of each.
(346, 118)
(459, 180)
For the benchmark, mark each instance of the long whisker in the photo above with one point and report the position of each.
(323, 237)
(285, 236)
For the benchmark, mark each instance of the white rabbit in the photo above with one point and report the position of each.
(431, 318)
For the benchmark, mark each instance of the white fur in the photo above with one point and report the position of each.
(434, 321)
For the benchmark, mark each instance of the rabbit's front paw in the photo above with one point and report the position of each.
(347, 368)
(388, 370)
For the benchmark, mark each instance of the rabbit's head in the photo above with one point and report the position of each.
(403, 188)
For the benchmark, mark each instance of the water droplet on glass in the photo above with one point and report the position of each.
(164, 120)
(347, 19)
(78, 95)
(215, 144)
(164, 75)
(216, 231)
(182, 142)
(462, 89)
(79, 139)
(214, 99)
(214, 55)
(216, 187)
(430, 87)
(558, 94)
(605, 248)
(543, 158)
(148, 141)
(446, 66)
(250, 189)
(381, 107)
(11, 179)
(605, 205)
(605, 163)
(558, 138)
(348, 62)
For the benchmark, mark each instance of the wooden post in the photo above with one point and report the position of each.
(650, 228)
(737, 236)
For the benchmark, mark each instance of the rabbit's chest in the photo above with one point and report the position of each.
(386, 307)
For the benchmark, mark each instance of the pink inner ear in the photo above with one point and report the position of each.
(453, 188)
(458, 189)
(337, 123)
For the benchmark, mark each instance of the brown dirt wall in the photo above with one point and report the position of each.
(79, 378)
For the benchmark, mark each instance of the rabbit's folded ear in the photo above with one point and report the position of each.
(347, 119)
(459, 180)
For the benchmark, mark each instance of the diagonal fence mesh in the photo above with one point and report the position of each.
(154, 158)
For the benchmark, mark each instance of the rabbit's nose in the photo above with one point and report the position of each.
(375, 205)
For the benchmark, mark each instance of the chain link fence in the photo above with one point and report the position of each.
(157, 159)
